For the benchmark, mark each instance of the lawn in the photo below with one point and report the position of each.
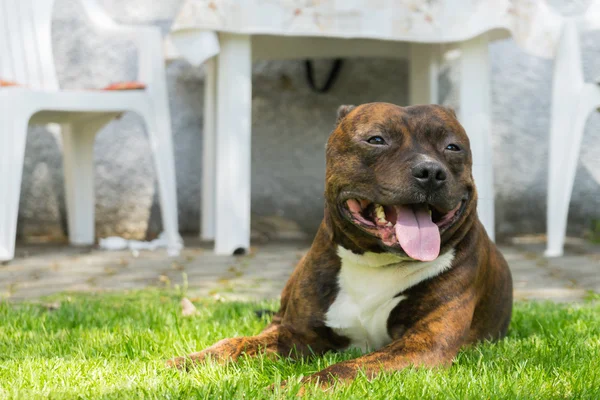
(114, 346)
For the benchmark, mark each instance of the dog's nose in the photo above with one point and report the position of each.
(429, 174)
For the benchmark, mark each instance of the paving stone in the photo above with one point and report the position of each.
(553, 294)
(43, 270)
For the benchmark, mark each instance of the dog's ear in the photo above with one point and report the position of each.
(342, 112)
(451, 111)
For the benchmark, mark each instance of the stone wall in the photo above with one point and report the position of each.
(290, 127)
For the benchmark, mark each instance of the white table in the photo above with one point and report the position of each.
(229, 34)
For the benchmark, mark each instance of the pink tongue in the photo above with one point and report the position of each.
(417, 234)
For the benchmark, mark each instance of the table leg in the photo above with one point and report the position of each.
(424, 69)
(475, 116)
(209, 161)
(234, 115)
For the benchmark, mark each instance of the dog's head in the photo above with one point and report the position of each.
(399, 180)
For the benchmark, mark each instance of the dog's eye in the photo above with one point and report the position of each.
(377, 140)
(452, 147)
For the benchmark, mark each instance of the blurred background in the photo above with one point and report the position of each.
(290, 124)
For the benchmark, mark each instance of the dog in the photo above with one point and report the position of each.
(401, 267)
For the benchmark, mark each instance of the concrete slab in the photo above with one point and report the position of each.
(42, 270)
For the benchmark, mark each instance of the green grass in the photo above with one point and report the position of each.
(114, 346)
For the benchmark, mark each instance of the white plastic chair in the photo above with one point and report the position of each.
(26, 58)
(572, 102)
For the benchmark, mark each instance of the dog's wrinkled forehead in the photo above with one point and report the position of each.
(395, 120)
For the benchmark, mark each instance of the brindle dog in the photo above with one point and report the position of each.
(401, 266)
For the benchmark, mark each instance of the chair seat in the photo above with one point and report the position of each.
(118, 86)
(132, 85)
(47, 106)
(4, 83)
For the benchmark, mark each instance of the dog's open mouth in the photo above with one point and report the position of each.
(416, 228)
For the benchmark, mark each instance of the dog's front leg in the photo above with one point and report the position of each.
(433, 341)
(275, 339)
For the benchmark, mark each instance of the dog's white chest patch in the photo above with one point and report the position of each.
(370, 288)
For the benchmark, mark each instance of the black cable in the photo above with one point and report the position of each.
(333, 75)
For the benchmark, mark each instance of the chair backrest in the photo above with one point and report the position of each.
(26, 43)
(592, 16)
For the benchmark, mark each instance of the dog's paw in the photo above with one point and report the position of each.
(322, 381)
(221, 352)
(325, 379)
(186, 362)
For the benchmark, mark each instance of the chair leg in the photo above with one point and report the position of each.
(424, 70)
(13, 134)
(158, 124)
(233, 148)
(475, 115)
(564, 156)
(566, 115)
(207, 212)
(78, 164)
(557, 177)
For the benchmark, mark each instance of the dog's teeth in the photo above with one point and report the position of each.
(380, 213)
